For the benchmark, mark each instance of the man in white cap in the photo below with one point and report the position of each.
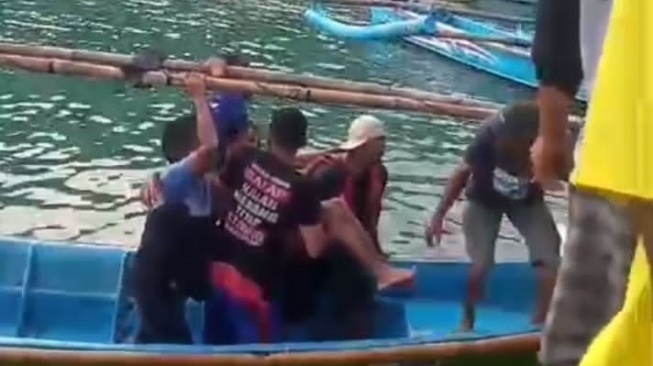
(358, 175)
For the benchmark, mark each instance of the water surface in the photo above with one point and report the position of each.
(73, 151)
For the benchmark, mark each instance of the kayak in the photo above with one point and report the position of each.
(69, 303)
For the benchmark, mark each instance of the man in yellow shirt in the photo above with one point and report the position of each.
(606, 215)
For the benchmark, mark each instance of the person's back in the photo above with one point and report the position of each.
(269, 199)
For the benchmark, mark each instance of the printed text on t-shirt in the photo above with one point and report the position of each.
(257, 204)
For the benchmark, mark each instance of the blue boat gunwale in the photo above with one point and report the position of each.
(525, 341)
(179, 355)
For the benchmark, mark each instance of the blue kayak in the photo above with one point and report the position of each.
(74, 299)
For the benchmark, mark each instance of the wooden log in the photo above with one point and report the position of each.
(430, 6)
(246, 73)
(293, 92)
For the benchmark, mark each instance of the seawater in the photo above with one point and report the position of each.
(73, 152)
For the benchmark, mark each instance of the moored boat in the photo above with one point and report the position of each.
(508, 62)
(67, 303)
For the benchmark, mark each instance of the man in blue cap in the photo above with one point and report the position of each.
(179, 237)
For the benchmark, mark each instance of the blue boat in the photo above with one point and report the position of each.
(69, 304)
(508, 62)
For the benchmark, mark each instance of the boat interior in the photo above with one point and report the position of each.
(72, 296)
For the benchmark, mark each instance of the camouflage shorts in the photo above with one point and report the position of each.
(592, 277)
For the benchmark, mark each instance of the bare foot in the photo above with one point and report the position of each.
(395, 277)
(466, 326)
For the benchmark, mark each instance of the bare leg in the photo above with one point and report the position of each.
(535, 223)
(480, 227)
(546, 280)
(475, 289)
(341, 224)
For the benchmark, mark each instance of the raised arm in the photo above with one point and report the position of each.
(196, 90)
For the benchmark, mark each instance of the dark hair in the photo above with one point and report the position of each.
(179, 138)
(520, 121)
(288, 128)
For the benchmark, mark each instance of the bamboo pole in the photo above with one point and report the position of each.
(294, 92)
(244, 73)
(430, 6)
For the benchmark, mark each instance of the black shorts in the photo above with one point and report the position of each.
(176, 249)
(336, 277)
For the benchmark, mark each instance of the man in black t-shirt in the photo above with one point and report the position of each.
(496, 175)
(270, 199)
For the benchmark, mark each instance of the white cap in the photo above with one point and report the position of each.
(363, 129)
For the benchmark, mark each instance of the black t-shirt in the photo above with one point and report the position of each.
(493, 182)
(269, 200)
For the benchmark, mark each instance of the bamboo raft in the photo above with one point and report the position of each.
(114, 66)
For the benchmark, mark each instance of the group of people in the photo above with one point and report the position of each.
(270, 225)
(261, 236)
(237, 226)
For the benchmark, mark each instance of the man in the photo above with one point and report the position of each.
(602, 231)
(497, 176)
(358, 174)
(179, 237)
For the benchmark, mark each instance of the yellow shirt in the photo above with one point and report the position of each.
(617, 155)
(617, 151)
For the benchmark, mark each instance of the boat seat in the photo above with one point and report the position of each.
(13, 260)
(75, 305)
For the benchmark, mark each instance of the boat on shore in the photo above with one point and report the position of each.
(70, 304)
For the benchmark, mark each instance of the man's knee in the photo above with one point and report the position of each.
(480, 228)
(335, 209)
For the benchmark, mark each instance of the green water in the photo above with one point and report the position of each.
(73, 152)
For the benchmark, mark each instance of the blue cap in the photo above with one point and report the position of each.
(230, 116)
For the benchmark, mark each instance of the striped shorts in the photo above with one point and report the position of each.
(592, 277)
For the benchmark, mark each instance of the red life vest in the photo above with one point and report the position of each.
(365, 200)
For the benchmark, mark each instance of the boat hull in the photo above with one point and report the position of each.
(70, 304)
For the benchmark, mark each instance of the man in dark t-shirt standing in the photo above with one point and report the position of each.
(496, 176)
